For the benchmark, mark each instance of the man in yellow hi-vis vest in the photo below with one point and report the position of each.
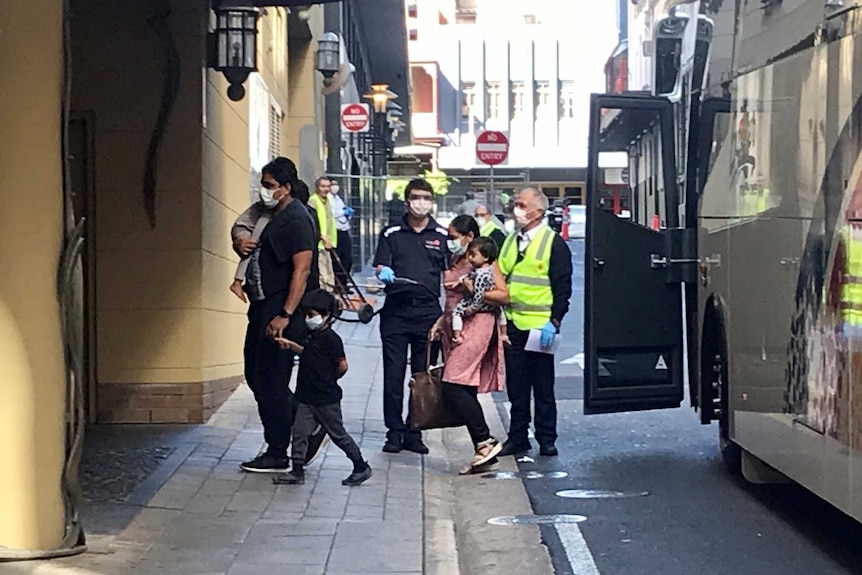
(488, 226)
(322, 204)
(537, 265)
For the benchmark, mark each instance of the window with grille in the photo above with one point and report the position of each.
(518, 100)
(275, 117)
(468, 99)
(567, 99)
(494, 100)
(544, 107)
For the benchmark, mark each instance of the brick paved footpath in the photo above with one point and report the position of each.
(209, 518)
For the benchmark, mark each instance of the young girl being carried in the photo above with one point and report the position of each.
(481, 253)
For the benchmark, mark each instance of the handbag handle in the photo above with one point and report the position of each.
(428, 343)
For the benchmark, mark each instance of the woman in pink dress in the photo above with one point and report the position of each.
(475, 365)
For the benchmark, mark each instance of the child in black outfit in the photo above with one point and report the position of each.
(317, 390)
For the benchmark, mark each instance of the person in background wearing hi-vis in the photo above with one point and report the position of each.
(488, 225)
(321, 202)
(537, 265)
(344, 247)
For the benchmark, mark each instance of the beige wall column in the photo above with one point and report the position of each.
(31, 357)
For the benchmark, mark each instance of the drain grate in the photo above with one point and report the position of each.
(509, 520)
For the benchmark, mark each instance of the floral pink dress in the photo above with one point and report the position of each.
(478, 360)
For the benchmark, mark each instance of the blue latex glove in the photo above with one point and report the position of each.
(549, 332)
(348, 211)
(386, 275)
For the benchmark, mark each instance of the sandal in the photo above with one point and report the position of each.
(485, 452)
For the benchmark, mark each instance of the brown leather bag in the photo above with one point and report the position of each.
(427, 408)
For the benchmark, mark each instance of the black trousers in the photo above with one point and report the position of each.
(345, 254)
(400, 335)
(464, 400)
(530, 373)
(329, 416)
(267, 372)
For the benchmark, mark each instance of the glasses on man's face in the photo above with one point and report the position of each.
(270, 185)
(521, 205)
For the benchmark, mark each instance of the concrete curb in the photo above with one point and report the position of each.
(484, 548)
(441, 548)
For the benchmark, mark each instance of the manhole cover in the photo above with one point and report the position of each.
(526, 475)
(508, 520)
(599, 494)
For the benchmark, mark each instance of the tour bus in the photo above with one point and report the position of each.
(748, 291)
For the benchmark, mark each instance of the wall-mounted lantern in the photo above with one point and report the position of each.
(328, 57)
(233, 46)
(380, 96)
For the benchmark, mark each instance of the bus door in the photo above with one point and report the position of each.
(635, 264)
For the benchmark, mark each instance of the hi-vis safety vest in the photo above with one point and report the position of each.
(488, 228)
(325, 220)
(755, 201)
(530, 291)
(851, 283)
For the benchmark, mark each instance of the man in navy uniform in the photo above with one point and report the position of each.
(411, 257)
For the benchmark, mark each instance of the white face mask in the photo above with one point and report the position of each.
(315, 322)
(521, 218)
(420, 208)
(482, 220)
(266, 196)
(456, 247)
(333, 189)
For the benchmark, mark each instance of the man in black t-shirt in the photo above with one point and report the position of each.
(288, 270)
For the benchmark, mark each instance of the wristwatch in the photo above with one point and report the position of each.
(284, 313)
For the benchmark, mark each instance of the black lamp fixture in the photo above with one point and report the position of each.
(328, 57)
(233, 45)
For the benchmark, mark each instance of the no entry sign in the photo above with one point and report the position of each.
(492, 148)
(355, 118)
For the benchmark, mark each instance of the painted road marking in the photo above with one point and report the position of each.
(577, 359)
(577, 551)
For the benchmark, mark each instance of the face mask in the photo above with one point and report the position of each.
(334, 189)
(481, 221)
(420, 208)
(521, 218)
(456, 247)
(266, 196)
(315, 322)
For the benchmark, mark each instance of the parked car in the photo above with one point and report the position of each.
(577, 221)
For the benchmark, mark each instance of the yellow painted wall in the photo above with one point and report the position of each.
(31, 205)
(164, 313)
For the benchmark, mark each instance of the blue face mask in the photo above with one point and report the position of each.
(456, 247)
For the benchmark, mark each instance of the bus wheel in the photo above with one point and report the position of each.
(731, 453)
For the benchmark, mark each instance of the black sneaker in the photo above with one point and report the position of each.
(266, 464)
(291, 478)
(316, 443)
(358, 477)
(416, 446)
(510, 448)
(393, 445)
(549, 450)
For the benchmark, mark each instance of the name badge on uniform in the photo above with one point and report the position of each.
(432, 244)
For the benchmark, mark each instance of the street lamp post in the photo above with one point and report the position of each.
(328, 57)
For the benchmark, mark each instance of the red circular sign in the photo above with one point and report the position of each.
(354, 117)
(492, 147)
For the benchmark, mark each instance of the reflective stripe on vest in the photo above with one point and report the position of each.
(851, 285)
(486, 230)
(529, 285)
(325, 220)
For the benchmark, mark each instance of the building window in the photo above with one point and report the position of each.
(412, 11)
(518, 100)
(567, 99)
(275, 117)
(544, 107)
(494, 100)
(468, 99)
(414, 34)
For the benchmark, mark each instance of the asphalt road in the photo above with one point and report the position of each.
(695, 517)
